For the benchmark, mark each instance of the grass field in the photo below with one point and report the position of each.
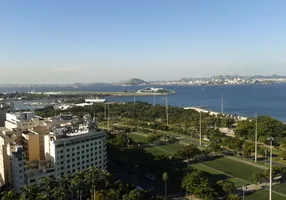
(168, 149)
(264, 195)
(281, 188)
(233, 168)
(219, 175)
(138, 138)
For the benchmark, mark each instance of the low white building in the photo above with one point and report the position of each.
(21, 120)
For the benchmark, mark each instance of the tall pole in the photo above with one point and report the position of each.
(243, 192)
(134, 100)
(256, 137)
(270, 175)
(200, 128)
(265, 151)
(167, 112)
(154, 100)
(105, 111)
(108, 118)
(221, 104)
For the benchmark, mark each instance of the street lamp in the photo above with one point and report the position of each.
(265, 151)
(256, 115)
(270, 175)
(200, 128)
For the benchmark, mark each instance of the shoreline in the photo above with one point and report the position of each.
(240, 118)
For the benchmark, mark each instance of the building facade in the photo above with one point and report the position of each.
(23, 120)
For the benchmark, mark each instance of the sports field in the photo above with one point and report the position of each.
(233, 168)
(280, 188)
(168, 149)
(138, 138)
(264, 195)
(217, 175)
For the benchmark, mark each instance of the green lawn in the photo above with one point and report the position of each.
(219, 175)
(168, 149)
(281, 188)
(264, 195)
(138, 138)
(233, 168)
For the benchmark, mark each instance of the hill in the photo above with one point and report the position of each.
(136, 81)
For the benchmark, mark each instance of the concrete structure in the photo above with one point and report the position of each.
(96, 100)
(6, 137)
(76, 148)
(5, 107)
(18, 163)
(22, 120)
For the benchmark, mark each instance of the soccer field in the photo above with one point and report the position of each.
(264, 195)
(281, 188)
(233, 168)
(168, 149)
(217, 175)
(138, 138)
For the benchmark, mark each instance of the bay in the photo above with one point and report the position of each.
(242, 100)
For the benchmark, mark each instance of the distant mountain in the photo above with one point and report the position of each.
(136, 81)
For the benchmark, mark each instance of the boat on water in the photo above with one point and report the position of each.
(96, 100)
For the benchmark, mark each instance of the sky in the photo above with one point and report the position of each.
(57, 41)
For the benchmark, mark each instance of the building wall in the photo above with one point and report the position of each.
(18, 162)
(78, 153)
(2, 165)
(34, 147)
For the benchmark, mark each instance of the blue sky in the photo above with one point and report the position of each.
(107, 41)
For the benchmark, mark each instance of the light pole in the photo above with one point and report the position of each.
(167, 112)
(256, 115)
(200, 128)
(221, 104)
(108, 118)
(270, 175)
(265, 151)
(154, 99)
(243, 192)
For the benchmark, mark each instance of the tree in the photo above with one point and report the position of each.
(198, 184)
(188, 152)
(59, 193)
(233, 197)
(9, 195)
(258, 177)
(41, 196)
(30, 191)
(99, 196)
(92, 178)
(228, 187)
(77, 183)
(283, 155)
(165, 178)
(47, 184)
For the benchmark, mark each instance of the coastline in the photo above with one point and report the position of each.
(240, 118)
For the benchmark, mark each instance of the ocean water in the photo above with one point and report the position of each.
(243, 100)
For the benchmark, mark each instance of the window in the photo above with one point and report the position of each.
(33, 181)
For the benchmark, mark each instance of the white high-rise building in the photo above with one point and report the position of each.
(73, 148)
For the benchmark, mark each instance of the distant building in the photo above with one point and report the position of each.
(5, 107)
(21, 120)
(96, 100)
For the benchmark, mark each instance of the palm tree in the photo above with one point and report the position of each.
(64, 182)
(92, 178)
(41, 196)
(8, 195)
(77, 183)
(47, 184)
(30, 191)
(59, 193)
(165, 178)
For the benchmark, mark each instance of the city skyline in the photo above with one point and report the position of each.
(56, 42)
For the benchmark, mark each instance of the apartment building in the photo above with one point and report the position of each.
(5, 107)
(22, 120)
(18, 163)
(76, 148)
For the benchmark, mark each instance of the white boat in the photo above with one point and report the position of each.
(96, 100)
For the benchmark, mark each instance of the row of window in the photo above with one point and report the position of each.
(82, 147)
(70, 143)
